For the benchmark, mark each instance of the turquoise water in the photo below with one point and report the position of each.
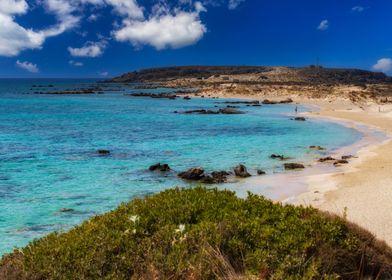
(48, 144)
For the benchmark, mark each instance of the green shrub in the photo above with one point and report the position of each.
(204, 234)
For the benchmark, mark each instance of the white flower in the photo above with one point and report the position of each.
(134, 218)
(181, 228)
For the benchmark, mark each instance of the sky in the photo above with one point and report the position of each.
(105, 38)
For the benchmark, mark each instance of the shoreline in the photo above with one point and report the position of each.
(358, 191)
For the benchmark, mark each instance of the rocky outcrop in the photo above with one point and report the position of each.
(301, 119)
(261, 172)
(324, 159)
(291, 166)
(269, 102)
(252, 102)
(154, 95)
(241, 171)
(347, 157)
(340, 162)
(224, 111)
(160, 167)
(192, 174)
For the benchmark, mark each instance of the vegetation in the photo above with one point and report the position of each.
(305, 76)
(204, 234)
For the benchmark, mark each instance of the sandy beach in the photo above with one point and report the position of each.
(361, 191)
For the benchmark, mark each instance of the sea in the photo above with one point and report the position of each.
(49, 143)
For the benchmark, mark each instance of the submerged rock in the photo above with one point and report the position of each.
(347, 156)
(66, 210)
(160, 167)
(280, 157)
(103, 152)
(318, 148)
(241, 171)
(290, 166)
(224, 111)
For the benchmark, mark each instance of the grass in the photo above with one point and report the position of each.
(204, 234)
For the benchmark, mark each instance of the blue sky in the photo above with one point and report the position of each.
(102, 38)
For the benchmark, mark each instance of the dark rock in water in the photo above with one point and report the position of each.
(318, 148)
(280, 157)
(231, 106)
(224, 111)
(241, 171)
(261, 172)
(103, 152)
(340, 161)
(269, 102)
(286, 101)
(187, 98)
(229, 111)
(291, 166)
(153, 95)
(256, 105)
(194, 174)
(326, 159)
(301, 119)
(160, 167)
(66, 210)
(243, 102)
(347, 156)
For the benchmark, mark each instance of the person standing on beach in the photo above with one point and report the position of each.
(296, 109)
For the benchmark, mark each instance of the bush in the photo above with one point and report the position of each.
(204, 234)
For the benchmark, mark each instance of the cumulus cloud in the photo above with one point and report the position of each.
(75, 63)
(28, 66)
(164, 29)
(383, 65)
(15, 38)
(233, 4)
(90, 49)
(324, 25)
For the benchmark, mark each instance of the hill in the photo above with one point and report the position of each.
(204, 234)
(306, 75)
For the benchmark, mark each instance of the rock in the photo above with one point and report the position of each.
(224, 111)
(230, 111)
(153, 95)
(301, 119)
(187, 98)
(194, 174)
(261, 172)
(220, 176)
(340, 161)
(318, 148)
(66, 210)
(160, 167)
(243, 102)
(269, 102)
(281, 157)
(291, 166)
(241, 171)
(103, 152)
(347, 156)
(326, 159)
(286, 101)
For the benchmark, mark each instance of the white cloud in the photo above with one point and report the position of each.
(75, 63)
(383, 65)
(28, 66)
(324, 25)
(358, 9)
(15, 38)
(129, 8)
(164, 29)
(103, 74)
(90, 49)
(233, 4)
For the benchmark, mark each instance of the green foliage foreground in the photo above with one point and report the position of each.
(204, 234)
